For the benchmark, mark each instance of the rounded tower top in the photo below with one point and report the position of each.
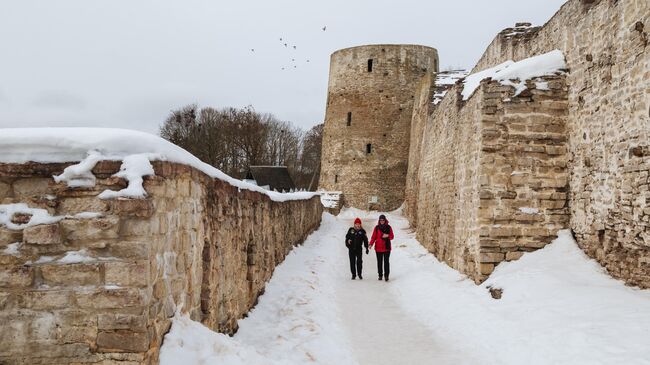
(371, 93)
(384, 46)
(424, 57)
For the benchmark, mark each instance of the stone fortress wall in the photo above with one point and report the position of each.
(102, 288)
(585, 142)
(371, 95)
(493, 180)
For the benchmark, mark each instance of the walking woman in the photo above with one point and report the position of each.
(354, 239)
(382, 236)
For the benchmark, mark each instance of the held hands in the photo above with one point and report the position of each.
(366, 250)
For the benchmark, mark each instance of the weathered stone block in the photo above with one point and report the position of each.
(30, 187)
(16, 277)
(129, 249)
(140, 227)
(505, 231)
(77, 334)
(5, 190)
(5, 300)
(119, 321)
(553, 204)
(486, 257)
(80, 231)
(8, 236)
(486, 269)
(142, 208)
(127, 273)
(71, 274)
(539, 243)
(44, 234)
(122, 341)
(514, 255)
(110, 298)
(74, 205)
(46, 299)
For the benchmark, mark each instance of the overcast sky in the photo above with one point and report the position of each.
(127, 63)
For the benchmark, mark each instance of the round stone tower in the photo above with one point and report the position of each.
(370, 100)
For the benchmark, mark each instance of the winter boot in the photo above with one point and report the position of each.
(353, 277)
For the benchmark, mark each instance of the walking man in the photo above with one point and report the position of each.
(382, 236)
(355, 239)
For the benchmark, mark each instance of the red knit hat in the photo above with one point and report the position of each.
(357, 221)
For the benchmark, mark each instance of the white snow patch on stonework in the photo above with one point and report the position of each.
(541, 85)
(445, 80)
(81, 256)
(450, 77)
(529, 210)
(56, 145)
(41, 260)
(87, 215)
(38, 216)
(12, 249)
(515, 74)
(80, 175)
(133, 169)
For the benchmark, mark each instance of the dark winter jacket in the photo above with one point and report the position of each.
(382, 244)
(358, 238)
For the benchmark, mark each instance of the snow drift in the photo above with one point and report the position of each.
(91, 145)
(558, 307)
(515, 74)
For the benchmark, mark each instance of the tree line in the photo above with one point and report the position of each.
(232, 139)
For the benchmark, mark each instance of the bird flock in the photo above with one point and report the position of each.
(289, 46)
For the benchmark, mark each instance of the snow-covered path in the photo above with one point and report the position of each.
(379, 329)
(558, 307)
(381, 332)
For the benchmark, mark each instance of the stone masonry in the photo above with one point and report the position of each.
(606, 133)
(495, 176)
(606, 48)
(195, 244)
(493, 180)
(371, 95)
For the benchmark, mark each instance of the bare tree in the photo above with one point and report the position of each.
(233, 139)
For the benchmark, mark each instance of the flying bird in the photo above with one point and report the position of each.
(280, 39)
(293, 59)
(294, 47)
(285, 44)
(252, 49)
(307, 60)
(324, 28)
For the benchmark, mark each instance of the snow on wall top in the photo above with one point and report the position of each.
(546, 64)
(444, 81)
(52, 145)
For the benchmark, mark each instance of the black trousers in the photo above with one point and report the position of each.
(356, 261)
(383, 258)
